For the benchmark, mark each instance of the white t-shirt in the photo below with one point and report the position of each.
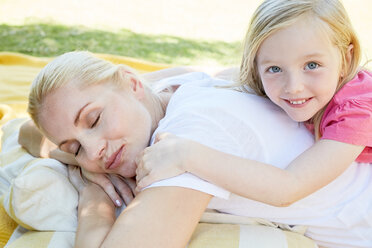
(252, 127)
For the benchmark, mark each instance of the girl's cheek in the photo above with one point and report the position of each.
(269, 87)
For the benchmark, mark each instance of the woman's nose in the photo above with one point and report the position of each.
(94, 148)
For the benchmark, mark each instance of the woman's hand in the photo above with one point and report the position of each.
(113, 185)
(35, 143)
(167, 158)
(31, 139)
(76, 178)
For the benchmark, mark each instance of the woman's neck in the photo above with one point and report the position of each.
(156, 103)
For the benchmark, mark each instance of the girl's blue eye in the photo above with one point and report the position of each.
(274, 69)
(312, 65)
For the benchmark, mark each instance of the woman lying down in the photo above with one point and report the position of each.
(105, 116)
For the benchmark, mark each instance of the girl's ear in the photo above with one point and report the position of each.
(348, 59)
(349, 54)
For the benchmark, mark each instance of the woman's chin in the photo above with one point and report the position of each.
(127, 170)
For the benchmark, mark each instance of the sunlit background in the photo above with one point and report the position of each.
(180, 24)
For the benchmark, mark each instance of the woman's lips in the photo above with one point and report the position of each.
(115, 159)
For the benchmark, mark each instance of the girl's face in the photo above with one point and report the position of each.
(105, 126)
(299, 68)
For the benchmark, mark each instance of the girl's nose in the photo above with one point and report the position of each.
(294, 84)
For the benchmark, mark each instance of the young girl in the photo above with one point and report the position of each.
(303, 55)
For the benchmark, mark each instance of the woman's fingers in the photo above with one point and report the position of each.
(124, 189)
(104, 182)
(74, 174)
(131, 183)
(110, 190)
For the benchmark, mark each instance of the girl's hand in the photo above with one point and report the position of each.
(166, 158)
(113, 185)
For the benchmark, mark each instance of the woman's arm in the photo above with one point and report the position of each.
(310, 171)
(96, 215)
(35, 143)
(158, 217)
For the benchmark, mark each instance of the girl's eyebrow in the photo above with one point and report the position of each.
(316, 54)
(266, 61)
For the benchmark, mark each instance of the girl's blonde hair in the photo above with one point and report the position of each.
(273, 15)
(80, 67)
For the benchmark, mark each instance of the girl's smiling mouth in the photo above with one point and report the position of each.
(297, 103)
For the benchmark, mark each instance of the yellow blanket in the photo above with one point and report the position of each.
(17, 170)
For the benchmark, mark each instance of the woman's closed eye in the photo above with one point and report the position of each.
(78, 145)
(96, 121)
(77, 150)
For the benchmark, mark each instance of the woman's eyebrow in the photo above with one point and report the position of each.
(76, 121)
(77, 118)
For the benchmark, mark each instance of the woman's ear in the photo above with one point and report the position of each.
(137, 88)
(134, 83)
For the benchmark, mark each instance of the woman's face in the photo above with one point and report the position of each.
(103, 125)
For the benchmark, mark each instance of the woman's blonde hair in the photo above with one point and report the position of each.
(273, 15)
(80, 67)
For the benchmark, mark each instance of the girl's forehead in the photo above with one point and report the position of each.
(304, 30)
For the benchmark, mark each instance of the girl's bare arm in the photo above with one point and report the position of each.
(310, 171)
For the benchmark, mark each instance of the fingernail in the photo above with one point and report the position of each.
(118, 203)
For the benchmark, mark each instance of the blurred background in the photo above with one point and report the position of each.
(178, 32)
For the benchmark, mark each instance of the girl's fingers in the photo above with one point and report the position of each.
(161, 136)
(145, 181)
(140, 171)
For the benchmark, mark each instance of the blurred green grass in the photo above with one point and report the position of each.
(47, 40)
